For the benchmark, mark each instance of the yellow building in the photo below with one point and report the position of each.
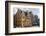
(23, 19)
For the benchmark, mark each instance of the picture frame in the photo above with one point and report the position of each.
(21, 29)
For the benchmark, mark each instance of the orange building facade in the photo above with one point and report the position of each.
(23, 19)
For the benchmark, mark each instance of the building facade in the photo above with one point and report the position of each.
(23, 19)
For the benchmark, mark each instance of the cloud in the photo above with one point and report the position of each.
(14, 11)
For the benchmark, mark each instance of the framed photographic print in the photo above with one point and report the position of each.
(24, 17)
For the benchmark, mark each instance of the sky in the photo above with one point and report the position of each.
(35, 11)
